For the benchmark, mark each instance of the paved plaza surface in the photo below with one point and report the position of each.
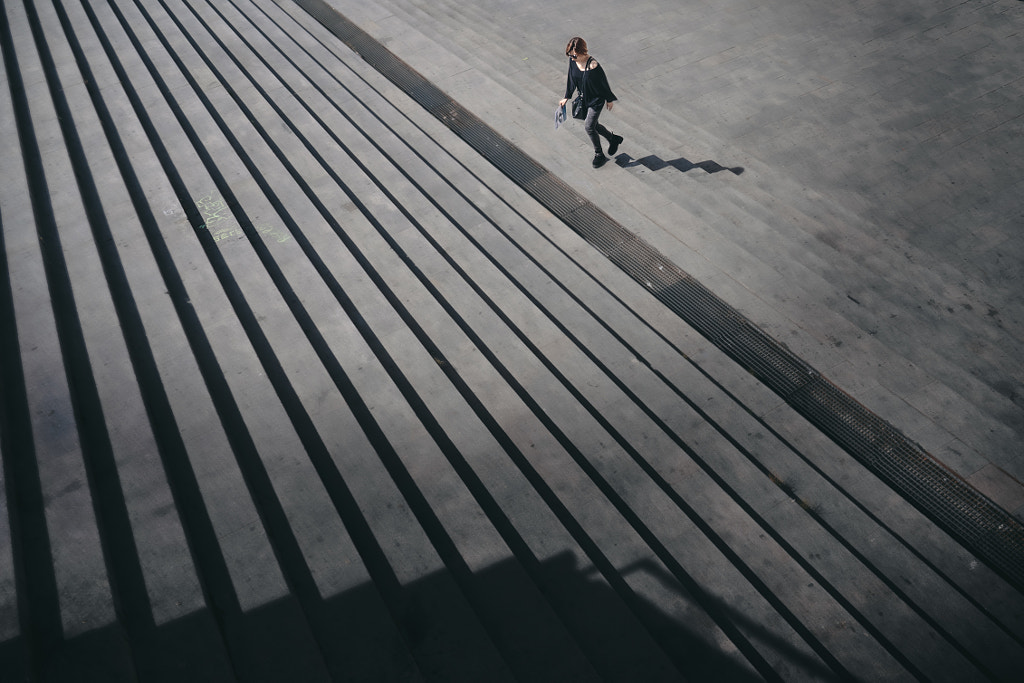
(325, 355)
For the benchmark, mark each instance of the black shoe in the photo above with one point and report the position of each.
(614, 146)
(600, 160)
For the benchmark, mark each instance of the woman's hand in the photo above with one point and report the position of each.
(563, 101)
(608, 105)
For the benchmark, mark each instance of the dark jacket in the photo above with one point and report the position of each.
(597, 89)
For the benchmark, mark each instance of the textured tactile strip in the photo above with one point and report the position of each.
(983, 527)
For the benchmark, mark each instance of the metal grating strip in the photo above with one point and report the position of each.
(984, 528)
(557, 197)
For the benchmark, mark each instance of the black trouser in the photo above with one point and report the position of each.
(595, 130)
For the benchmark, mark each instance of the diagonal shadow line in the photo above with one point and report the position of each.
(39, 615)
(906, 663)
(801, 660)
(467, 474)
(370, 337)
(34, 574)
(537, 409)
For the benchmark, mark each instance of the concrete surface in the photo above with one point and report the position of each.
(295, 385)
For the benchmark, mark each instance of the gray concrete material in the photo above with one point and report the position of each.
(9, 622)
(327, 579)
(167, 569)
(252, 565)
(296, 358)
(537, 39)
(739, 432)
(450, 426)
(77, 558)
(127, 600)
(517, 499)
(620, 475)
(520, 427)
(477, 539)
(197, 419)
(794, 530)
(901, 524)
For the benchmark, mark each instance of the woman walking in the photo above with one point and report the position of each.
(587, 75)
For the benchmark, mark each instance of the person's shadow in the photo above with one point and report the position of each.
(656, 163)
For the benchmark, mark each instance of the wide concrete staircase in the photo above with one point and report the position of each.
(908, 331)
(296, 385)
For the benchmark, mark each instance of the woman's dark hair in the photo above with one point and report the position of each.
(574, 45)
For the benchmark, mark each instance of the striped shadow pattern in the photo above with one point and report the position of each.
(979, 523)
(294, 385)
